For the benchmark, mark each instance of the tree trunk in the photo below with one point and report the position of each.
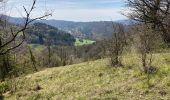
(4, 67)
(144, 63)
(49, 55)
(115, 58)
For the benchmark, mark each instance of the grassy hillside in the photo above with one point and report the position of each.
(94, 80)
(80, 42)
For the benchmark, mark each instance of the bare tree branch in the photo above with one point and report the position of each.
(22, 30)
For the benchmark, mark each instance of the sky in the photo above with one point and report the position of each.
(71, 10)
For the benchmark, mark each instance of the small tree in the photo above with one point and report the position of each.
(147, 41)
(32, 58)
(117, 44)
(49, 49)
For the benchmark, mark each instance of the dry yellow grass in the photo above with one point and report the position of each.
(94, 80)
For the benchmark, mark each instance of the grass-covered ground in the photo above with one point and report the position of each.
(94, 80)
(80, 42)
(37, 47)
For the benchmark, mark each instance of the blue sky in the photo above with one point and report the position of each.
(73, 10)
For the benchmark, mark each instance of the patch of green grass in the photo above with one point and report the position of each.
(37, 47)
(80, 42)
(95, 80)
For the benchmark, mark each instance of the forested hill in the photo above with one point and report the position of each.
(40, 33)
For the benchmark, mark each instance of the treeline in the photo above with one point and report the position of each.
(28, 59)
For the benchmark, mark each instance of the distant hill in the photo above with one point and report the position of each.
(96, 30)
(40, 33)
(84, 30)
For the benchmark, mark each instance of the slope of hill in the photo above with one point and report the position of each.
(40, 33)
(93, 80)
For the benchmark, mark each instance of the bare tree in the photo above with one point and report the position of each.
(14, 35)
(48, 44)
(32, 58)
(118, 43)
(155, 12)
(63, 54)
(144, 46)
(11, 36)
(147, 41)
